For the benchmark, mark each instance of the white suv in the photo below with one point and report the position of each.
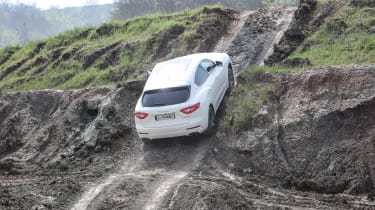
(181, 96)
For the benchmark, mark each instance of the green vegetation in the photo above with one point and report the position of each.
(253, 94)
(107, 54)
(348, 37)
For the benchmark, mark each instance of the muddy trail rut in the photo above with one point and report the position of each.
(77, 149)
(144, 180)
(167, 164)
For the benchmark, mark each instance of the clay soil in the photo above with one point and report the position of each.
(311, 145)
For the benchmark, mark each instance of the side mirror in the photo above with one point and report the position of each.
(219, 63)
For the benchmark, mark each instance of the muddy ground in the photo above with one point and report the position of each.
(310, 147)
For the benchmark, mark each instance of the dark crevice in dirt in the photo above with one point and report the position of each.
(66, 55)
(8, 54)
(19, 65)
(111, 59)
(12, 68)
(281, 145)
(160, 43)
(89, 60)
(5, 58)
(106, 30)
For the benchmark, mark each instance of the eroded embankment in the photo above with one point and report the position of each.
(315, 134)
(53, 143)
(311, 142)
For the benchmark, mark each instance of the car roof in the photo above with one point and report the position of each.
(169, 73)
(175, 72)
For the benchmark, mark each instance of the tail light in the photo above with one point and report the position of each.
(191, 109)
(140, 115)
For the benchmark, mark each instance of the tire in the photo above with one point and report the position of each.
(146, 141)
(230, 78)
(211, 121)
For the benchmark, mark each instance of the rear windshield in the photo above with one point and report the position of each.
(165, 97)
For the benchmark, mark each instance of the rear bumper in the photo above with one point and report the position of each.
(172, 131)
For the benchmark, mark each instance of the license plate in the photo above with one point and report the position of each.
(169, 116)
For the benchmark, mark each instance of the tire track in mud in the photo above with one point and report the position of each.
(92, 192)
(175, 177)
(283, 24)
(232, 32)
(155, 169)
(255, 40)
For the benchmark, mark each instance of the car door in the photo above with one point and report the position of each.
(222, 80)
(213, 83)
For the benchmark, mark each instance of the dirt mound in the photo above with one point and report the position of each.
(49, 130)
(316, 149)
(51, 141)
(311, 145)
(320, 136)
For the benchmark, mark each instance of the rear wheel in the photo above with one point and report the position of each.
(211, 121)
(146, 141)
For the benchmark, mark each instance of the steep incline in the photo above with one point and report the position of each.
(314, 134)
(261, 30)
(310, 145)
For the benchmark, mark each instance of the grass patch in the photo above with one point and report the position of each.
(272, 69)
(245, 101)
(345, 38)
(102, 55)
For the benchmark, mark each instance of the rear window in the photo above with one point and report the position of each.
(165, 97)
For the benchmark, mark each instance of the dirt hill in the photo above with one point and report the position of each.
(302, 140)
(111, 53)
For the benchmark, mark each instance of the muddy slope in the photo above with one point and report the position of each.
(254, 41)
(53, 142)
(311, 146)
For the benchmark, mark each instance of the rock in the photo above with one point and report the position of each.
(133, 85)
(305, 8)
(98, 149)
(6, 165)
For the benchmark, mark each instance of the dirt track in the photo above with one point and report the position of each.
(77, 149)
(176, 161)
